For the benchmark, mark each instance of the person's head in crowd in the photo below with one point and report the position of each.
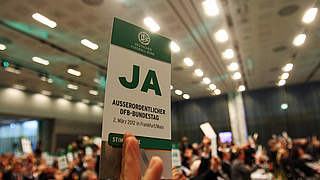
(17, 167)
(89, 175)
(226, 156)
(58, 175)
(240, 155)
(90, 163)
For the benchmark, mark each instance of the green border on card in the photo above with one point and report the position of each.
(116, 140)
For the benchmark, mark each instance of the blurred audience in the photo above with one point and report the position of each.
(284, 158)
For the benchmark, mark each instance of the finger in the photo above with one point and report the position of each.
(154, 170)
(126, 135)
(130, 159)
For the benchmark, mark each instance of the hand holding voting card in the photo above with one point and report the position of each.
(209, 132)
(137, 98)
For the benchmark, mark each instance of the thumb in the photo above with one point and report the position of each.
(154, 170)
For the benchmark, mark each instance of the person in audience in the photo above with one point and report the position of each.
(89, 175)
(287, 158)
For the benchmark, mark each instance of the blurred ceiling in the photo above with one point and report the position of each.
(260, 33)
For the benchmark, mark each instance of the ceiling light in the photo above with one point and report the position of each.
(74, 72)
(20, 87)
(67, 97)
(299, 39)
(150, 23)
(282, 82)
(228, 54)
(50, 80)
(221, 35)
(233, 66)
(236, 76)
(47, 93)
(206, 80)
(284, 106)
(100, 104)
(210, 7)
(188, 61)
(288, 67)
(198, 72)
(12, 70)
(309, 15)
(171, 87)
(44, 20)
(212, 86)
(241, 88)
(86, 101)
(3, 47)
(217, 91)
(40, 61)
(72, 86)
(89, 44)
(93, 92)
(174, 47)
(284, 76)
(178, 92)
(186, 96)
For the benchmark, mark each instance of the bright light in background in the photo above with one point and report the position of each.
(210, 7)
(188, 61)
(100, 104)
(89, 44)
(309, 15)
(93, 92)
(3, 47)
(217, 91)
(288, 67)
(44, 20)
(282, 82)
(241, 88)
(150, 23)
(74, 72)
(212, 86)
(50, 80)
(86, 101)
(186, 96)
(47, 93)
(12, 125)
(284, 106)
(206, 80)
(284, 76)
(198, 72)
(299, 39)
(40, 61)
(174, 47)
(30, 124)
(67, 97)
(72, 86)
(178, 92)
(228, 54)
(233, 66)
(12, 70)
(171, 87)
(19, 87)
(236, 75)
(221, 35)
